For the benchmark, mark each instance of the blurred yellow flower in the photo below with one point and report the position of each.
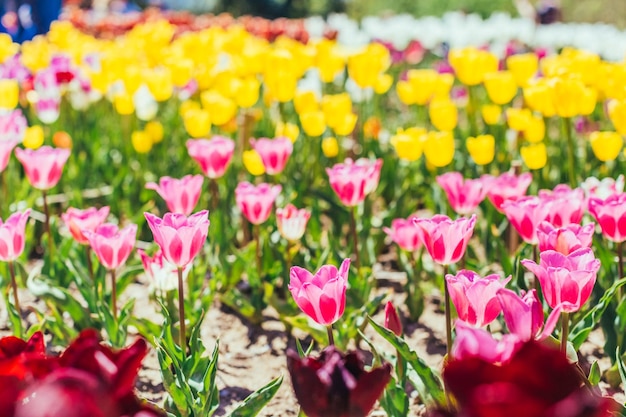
(617, 114)
(197, 122)
(491, 113)
(481, 148)
(330, 147)
(154, 128)
(573, 98)
(606, 145)
(500, 86)
(141, 140)
(9, 94)
(159, 83)
(222, 109)
(305, 102)
(523, 67)
(247, 92)
(534, 155)
(7, 47)
(419, 87)
(539, 96)
(36, 54)
(518, 119)
(471, 64)
(313, 123)
(535, 129)
(188, 105)
(409, 143)
(123, 104)
(253, 162)
(345, 125)
(383, 83)
(329, 60)
(443, 114)
(366, 66)
(33, 137)
(372, 127)
(439, 148)
(288, 130)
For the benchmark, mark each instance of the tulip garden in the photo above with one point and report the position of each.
(205, 215)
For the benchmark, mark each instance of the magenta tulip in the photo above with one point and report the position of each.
(12, 126)
(445, 239)
(78, 221)
(463, 195)
(213, 155)
(322, 296)
(373, 168)
(567, 205)
(565, 280)
(610, 214)
(12, 233)
(274, 153)
(507, 186)
(471, 342)
(564, 239)
(180, 195)
(352, 181)
(44, 166)
(392, 319)
(404, 233)
(180, 237)
(111, 244)
(255, 202)
(524, 315)
(475, 297)
(525, 214)
(6, 148)
(292, 222)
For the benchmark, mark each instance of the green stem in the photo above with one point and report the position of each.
(113, 295)
(355, 238)
(181, 312)
(571, 155)
(471, 111)
(564, 332)
(620, 265)
(331, 338)
(16, 300)
(46, 212)
(448, 314)
(257, 237)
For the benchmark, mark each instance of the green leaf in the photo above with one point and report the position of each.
(595, 374)
(429, 385)
(582, 329)
(621, 368)
(255, 402)
(301, 352)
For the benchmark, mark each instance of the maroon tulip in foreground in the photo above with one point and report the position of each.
(336, 385)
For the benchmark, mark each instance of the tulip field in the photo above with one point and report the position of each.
(209, 215)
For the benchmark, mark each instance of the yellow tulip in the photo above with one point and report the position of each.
(534, 155)
(197, 122)
(383, 83)
(471, 64)
(33, 137)
(222, 109)
(443, 85)
(518, 119)
(481, 148)
(313, 123)
(253, 162)
(409, 143)
(247, 92)
(36, 54)
(539, 96)
(345, 125)
(439, 148)
(491, 113)
(280, 86)
(617, 114)
(501, 86)
(181, 69)
(335, 106)
(422, 84)
(329, 60)
(443, 114)
(188, 105)
(9, 94)
(366, 66)
(572, 98)
(154, 128)
(606, 145)
(7, 47)
(288, 130)
(523, 67)
(142, 141)
(124, 104)
(406, 92)
(160, 83)
(588, 101)
(305, 102)
(330, 147)
(535, 129)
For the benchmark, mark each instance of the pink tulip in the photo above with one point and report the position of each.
(525, 214)
(564, 239)
(610, 215)
(604, 188)
(163, 275)
(44, 166)
(446, 240)
(111, 244)
(12, 236)
(322, 296)
(6, 147)
(507, 186)
(274, 153)
(212, 155)
(392, 319)
(567, 205)
(78, 221)
(373, 168)
(13, 124)
(48, 109)
(471, 342)
(405, 234)
(180, 237)
(474, 297)
(180, 195)
(565, 280)
(292, 222)
(524, 315)
(463, 195)
(256, 202)
(352, 181)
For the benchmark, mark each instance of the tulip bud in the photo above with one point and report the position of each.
(392, 319)
(33, 137)
(439, 148)
(313, 123)
(330, 147)
(197, 122)
(155, 130)
(491, 113)
(535, 155)
(482, 148)
(443, 114)
(142, 142)
(9, 94)
(253, 162)
(501, 86)
(523, 67)
(606, 145)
